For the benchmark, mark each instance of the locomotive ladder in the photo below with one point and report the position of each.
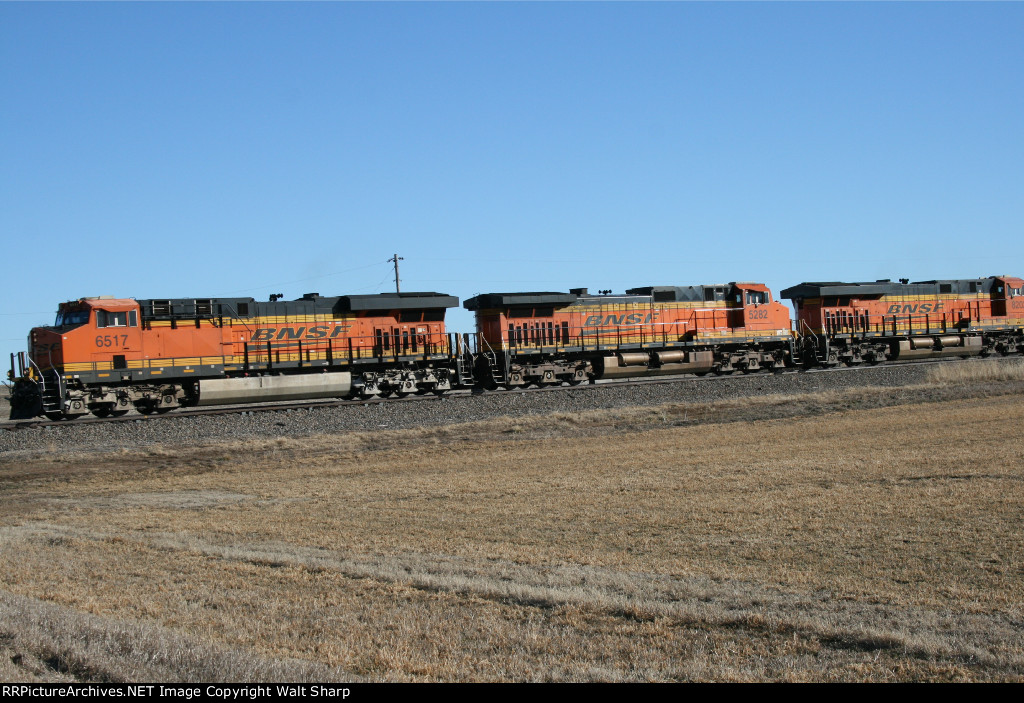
(499, 375)
(463, 359)
(820, 347)
(51, 394)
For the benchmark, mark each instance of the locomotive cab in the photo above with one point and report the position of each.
(754, 309)
(1008, 297)
(102, 330)
(112, 334)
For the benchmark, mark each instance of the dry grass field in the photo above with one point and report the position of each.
(742, 541)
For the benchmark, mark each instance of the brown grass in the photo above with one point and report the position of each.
(988, 371)
(672, 543)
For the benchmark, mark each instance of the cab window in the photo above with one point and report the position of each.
(106, 318)
(72, 319)
(756, 297)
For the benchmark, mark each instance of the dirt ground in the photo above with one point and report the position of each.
(648, 544)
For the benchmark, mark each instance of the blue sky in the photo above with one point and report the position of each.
(202, 150)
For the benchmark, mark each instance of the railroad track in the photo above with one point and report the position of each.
(37, 423)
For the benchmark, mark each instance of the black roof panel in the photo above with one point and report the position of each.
(396, 301)
(881, 288)
(487, 301)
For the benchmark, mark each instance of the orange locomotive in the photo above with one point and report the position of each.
(873, 322)
(548, 338)
(107, 355)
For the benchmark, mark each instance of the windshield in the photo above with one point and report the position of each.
(72, 319)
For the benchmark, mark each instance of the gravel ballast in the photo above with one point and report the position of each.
(458, 408)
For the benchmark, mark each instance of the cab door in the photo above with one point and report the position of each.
(1000, 294)
(1010, 302)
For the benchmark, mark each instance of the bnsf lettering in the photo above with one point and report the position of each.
(635, 318)
(916, 307)
(287, 333)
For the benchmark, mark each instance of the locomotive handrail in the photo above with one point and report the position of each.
(39, 371)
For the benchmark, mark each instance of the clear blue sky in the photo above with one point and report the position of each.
(200, 150)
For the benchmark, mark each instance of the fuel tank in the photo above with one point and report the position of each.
(656, 364)
(936, 347)
(260, 389)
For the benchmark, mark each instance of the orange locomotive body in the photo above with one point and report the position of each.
(548, 338)
(855, 322)
(107, 355)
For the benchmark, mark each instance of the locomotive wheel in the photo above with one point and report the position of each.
(102, 411)
(54, 416)
(118, 413)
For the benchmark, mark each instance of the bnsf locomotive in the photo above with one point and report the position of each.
(105, 356)
(548, 338)
(856, 322)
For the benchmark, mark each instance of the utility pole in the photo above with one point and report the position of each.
(396, 258)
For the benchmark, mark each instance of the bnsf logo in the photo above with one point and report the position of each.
(916, 307)
(635, 318)
(316, 332)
